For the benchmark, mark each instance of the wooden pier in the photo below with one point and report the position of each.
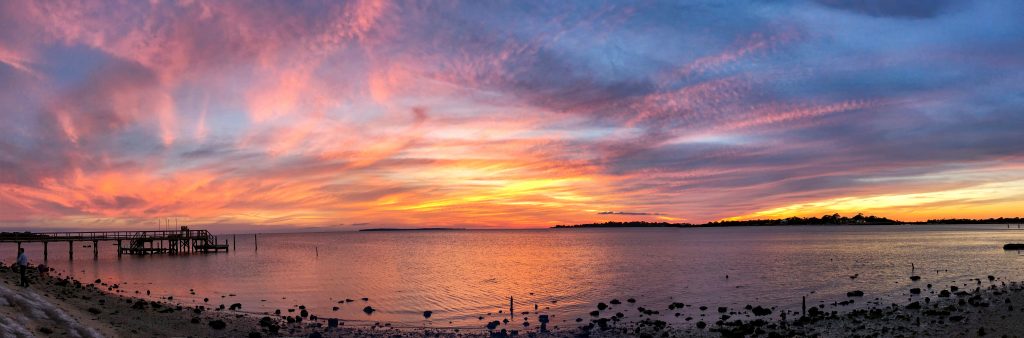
(127, 242)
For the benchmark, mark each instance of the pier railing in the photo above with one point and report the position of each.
(138, 242)
(102, 235)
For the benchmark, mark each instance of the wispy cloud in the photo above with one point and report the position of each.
(626, 213)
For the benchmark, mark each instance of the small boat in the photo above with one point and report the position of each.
(1014, 246)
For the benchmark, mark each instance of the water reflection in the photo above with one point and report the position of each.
(463, 275)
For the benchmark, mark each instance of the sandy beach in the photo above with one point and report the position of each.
(58, 306)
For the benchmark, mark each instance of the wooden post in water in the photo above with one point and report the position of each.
(119, 248)
(256, 241)
(234, 242)
(317, 250)
(95, 249)
(46, 251)
(511, 307)
(71, 250)
(803, 306)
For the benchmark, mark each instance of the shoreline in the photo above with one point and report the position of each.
(58, 306)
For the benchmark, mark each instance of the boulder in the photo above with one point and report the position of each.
(369, 310)
(218, 324)
(855, 293)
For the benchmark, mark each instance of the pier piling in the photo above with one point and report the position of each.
(71, 250)
(95, 249)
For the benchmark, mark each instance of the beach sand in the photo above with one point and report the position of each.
(58, 306)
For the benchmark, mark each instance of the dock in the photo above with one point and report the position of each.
(144, 242)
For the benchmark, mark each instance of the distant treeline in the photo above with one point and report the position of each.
(834, 219)
(1000, 220)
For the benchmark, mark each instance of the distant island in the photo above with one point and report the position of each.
(834, 219)
(412, 229)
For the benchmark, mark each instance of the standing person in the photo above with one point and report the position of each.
(23, 265)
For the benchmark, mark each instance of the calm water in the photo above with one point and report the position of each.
(461, 275)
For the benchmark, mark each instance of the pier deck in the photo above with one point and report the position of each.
(128, 242)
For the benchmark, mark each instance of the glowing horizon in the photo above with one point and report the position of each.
(477, 114)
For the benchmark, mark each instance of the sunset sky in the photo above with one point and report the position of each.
(268, 115)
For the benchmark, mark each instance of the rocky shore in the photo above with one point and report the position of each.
(59, 306)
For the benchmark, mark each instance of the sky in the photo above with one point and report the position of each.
(258, 115)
